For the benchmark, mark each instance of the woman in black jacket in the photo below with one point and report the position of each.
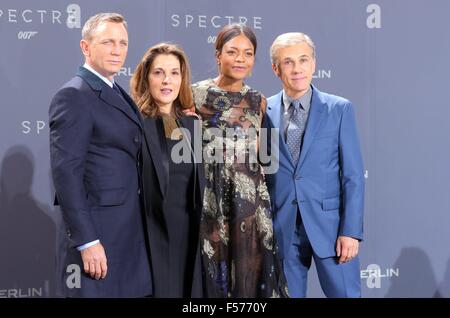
(172, 179)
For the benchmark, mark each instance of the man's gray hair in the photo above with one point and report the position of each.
(289, 39)
(91, 25)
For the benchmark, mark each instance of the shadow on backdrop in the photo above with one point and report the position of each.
(416, 276)
(27, 233)
(444, 288)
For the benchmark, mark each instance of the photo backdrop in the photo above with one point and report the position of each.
(390, 58)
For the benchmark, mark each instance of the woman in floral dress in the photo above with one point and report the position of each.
(239, 254)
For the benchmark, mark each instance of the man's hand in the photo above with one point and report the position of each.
(346, 248)
(94, 261)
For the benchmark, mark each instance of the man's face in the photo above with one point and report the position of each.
(106, 51)
(295, 67)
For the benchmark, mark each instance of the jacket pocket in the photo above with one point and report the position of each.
(331, 204)
(108, 197)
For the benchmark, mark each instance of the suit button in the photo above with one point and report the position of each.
(139, 191)
(136, 139)
(297, 177)
(69, 234)
(294, 201)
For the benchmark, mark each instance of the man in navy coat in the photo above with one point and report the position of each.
(95, 142)
(318, 191)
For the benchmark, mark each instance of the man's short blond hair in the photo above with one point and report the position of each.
(289, 39)
(91, 25)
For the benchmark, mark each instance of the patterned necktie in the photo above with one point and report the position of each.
(295, 130)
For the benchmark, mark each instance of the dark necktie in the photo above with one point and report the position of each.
(117, 89)
(295, 130)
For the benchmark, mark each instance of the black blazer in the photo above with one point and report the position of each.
(95, 138)
(155, 177)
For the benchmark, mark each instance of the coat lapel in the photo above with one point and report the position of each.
(109, 96)
(157, 147)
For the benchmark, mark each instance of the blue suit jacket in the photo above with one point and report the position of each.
(327, 185)
(95, 139)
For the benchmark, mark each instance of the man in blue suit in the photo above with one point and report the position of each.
(95, 142)
(317, 192)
